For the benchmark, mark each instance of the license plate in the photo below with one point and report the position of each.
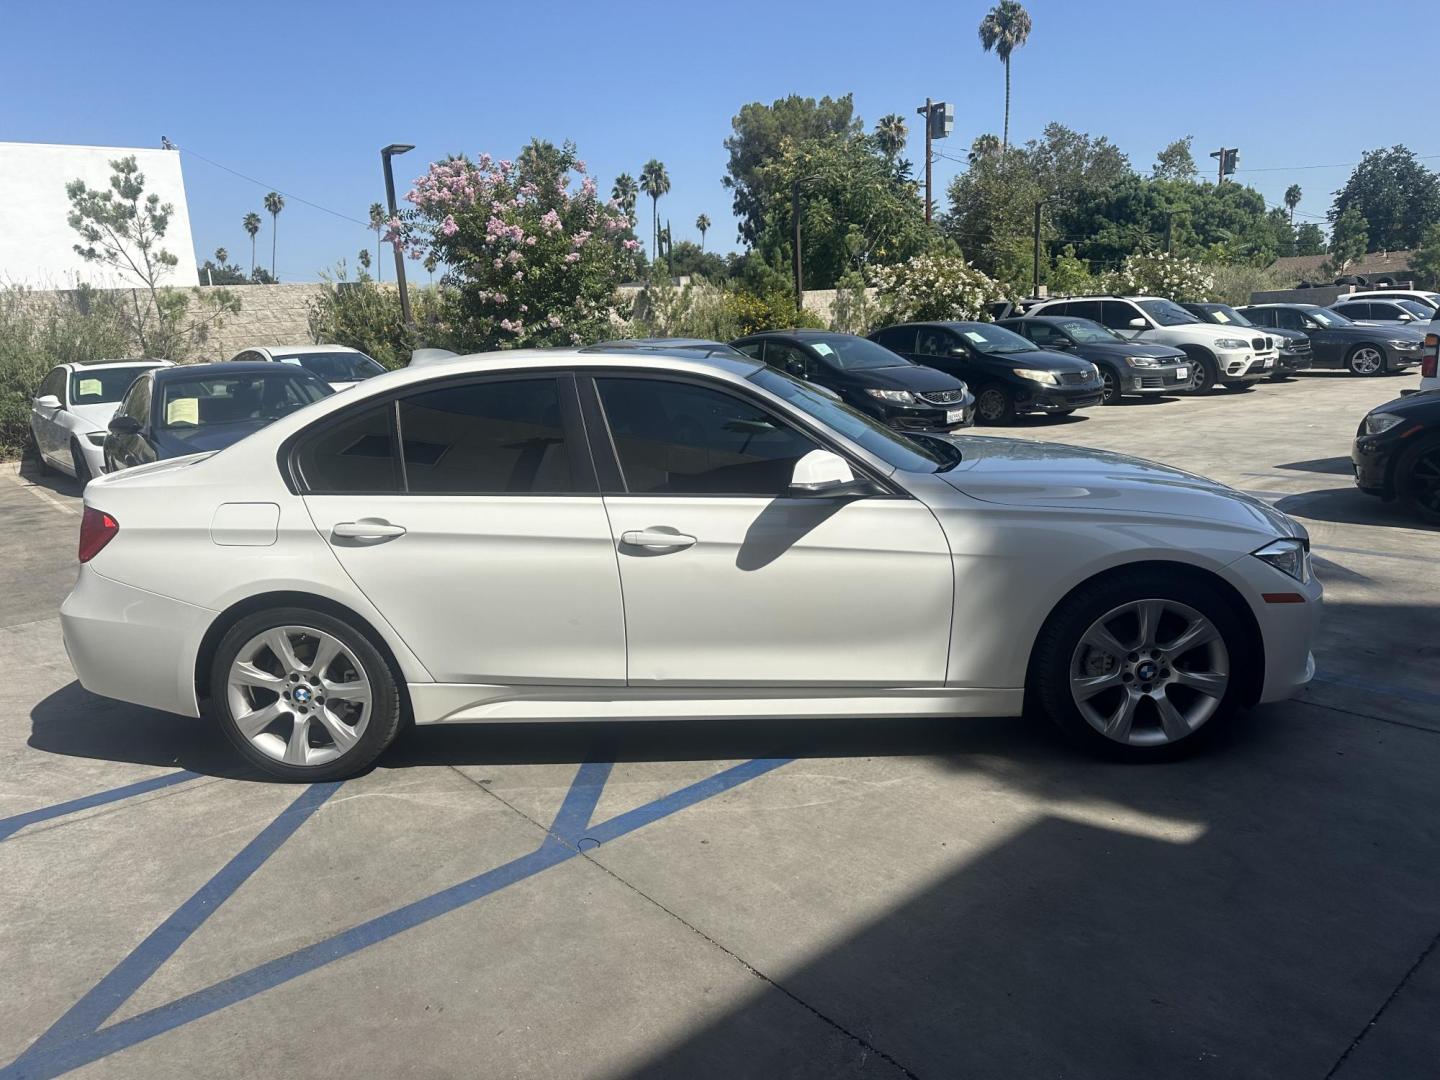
(954, 416)
(1182, 373)
(1267, 365)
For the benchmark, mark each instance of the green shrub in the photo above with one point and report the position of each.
(366, 316)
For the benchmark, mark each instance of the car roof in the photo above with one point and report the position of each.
(691, 347)
(1242, 307)
(683, 358)
(88, 365)
(231, 367)
(297, 350)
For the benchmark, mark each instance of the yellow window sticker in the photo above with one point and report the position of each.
(90, 388)
(185, 410)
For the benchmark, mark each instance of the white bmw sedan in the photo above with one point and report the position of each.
(602, 535)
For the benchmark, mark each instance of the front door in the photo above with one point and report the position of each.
(730, 581)
(485, 545)
(50, 434)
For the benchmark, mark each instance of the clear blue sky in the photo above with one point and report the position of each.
(302, 95)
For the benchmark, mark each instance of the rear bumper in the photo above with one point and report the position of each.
(132, 645)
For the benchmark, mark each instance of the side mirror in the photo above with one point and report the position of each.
(124, 425)
(47, 401)
(1138, 324)
(1405, 316)
(821, 472)
(959, 350)
(1061, 343)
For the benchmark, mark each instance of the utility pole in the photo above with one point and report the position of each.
(1169, 230)
(385, 155)
(1035, 281)
(795, 243)
(928, 158)
(1228, 157)
(939, 122)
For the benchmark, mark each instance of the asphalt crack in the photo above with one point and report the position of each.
(1370, 1026)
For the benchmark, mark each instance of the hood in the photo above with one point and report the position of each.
(1120, 349)
(1043, 359)
(1019, 473)
(97, 417)
(1423, 406)
(912, 377)
(178, 442)
(1285, 337)
(1367, 330)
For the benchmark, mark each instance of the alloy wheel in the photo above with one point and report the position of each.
(990, 405)
(299, 695)
(1111, 393)
(1366, 360)
(1423, 483)
(1149, 672)
(1202, 378)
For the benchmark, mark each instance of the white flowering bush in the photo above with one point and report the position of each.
(934, 286)
(1162, 274)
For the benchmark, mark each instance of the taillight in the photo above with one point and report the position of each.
(1430, 357)
(97, 529)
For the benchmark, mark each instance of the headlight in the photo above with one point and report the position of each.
(1404, 345)
(1231, 343)
(1142, 361)
(1290, 556)
(899, 397)
(1046, 377)
(97, 438)
(1379, 422)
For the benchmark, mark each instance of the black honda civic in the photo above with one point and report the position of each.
(867, 376)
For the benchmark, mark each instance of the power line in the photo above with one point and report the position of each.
(271, 187)
(1336, 165)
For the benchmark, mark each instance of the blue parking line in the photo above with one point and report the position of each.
(11, 825)
(51, 1056)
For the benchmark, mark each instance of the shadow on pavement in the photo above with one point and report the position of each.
(53, 480)
(1349, 506)
(1339, 466)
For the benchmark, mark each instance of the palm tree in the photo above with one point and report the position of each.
(654, 181)
(624, 192)
(890, 135)
(1003, 30)
(703, 224)
(1292, 200)
(378, 219)
(221, 256)
(984, 146)
(274, 203)
(252, 226)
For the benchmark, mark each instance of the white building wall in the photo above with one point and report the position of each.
(37, 245)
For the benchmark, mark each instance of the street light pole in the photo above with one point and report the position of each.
(385, 155)
(795, 244)
(1035, 287)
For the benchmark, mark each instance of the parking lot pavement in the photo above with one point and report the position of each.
(870, 899)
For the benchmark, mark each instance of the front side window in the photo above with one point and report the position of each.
(487, 438)
(676, 438)
(933, 342)
(752, 349)
(100, 386)
(1038, 332)
(137, 402)
(789, 358)
(334, 367)
(898, 339)
(54, 385)
(1289, 319)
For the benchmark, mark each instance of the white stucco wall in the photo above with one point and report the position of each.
(37, 244)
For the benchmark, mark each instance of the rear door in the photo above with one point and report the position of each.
(728, 579)
(485, 543)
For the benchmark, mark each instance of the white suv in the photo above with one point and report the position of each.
(1223, 355)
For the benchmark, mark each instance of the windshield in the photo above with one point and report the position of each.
(884, 442)
(230, 399)
(995, 339)
(336, 366)
(1327, 318)
(1166, 312)
(1086, 332)
(101, 386)
(1224, 313)
(1419, 310)
(855, 353)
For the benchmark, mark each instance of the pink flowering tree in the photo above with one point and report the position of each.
(531, 249)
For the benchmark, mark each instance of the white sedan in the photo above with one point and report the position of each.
(72, 408)
(603, 535)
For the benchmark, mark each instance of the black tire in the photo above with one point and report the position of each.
(1417, 480)
(1059, 641)
(79, 464)
(386, 712)
(1112, 394)
(1355, 356)
(1207, 373)
(994, 405)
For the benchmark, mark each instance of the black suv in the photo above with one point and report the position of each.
(1009, 375)
(1336, 342)
(1292, 346)
(870, 378)
(1127, 367)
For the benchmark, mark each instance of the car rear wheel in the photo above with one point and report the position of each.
(1365, 360)
(303, 695)
(994, 405)
(1145, 667)
(1417, 480)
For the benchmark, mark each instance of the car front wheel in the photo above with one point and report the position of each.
(80, 464)
(303, 695)
(1366, 360)
(1417, 477)
(1112, 387)
(994, 405)
(1144, 667)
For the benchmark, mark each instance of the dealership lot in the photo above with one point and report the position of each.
(829, 899)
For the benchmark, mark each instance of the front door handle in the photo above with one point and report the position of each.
(366, 529)
(656, 539)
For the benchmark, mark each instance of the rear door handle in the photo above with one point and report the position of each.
(656, 539)
(366, 530)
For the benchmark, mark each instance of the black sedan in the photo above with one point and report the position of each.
(1127, 367)
(1008, 374)
(1336, 342)
(192, 409)
(878, 382)
(1396, 453)
(1293, 346)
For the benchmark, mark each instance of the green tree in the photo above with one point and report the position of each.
(655, 182)
(703, 224)
(1005, 28)
(983, 146)
(1398, 197)
(1349, 239)
(221, 255)
(1309, 239)
(1176, 161)
(363, 257)
(688, 259)
(890, 135)
(378, 219)
(1426, 261)
(252, 226)
(274, 203)
(1292, 200)
(760, 133)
